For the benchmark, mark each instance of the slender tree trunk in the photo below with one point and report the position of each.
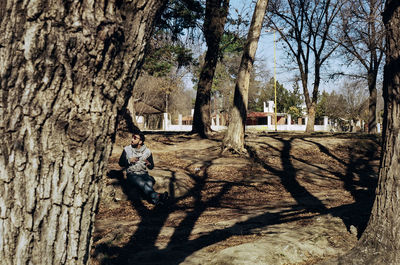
(311, 117)
(380, 243)
(312, 106)
(372, 102)
(216, 13)
(66, 69)
(234, 138)
(373, 66)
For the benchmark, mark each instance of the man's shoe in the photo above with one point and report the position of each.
(162, 198)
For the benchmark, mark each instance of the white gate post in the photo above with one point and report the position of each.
(165, 121)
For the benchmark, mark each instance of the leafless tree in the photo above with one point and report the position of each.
(354, 97)
(147, 90)
(153, 95)
(305, 27)
(334, 106)
(360, 32)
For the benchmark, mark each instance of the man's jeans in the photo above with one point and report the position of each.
(145, 183)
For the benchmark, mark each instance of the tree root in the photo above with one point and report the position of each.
(364, 255)
(230, 150)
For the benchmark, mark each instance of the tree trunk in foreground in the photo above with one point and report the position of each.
(380, 243)
(66, 69)
(214, 23)
(234, 138)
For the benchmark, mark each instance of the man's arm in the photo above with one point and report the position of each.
(150, 162)
(123, 160)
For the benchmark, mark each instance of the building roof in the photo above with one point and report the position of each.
(187, 118)
(143, 108)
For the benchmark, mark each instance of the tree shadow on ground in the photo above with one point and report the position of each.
(141, 248)
(362, 189)
(180, 246)
(144, 239)
(358, 179)
(288, 175)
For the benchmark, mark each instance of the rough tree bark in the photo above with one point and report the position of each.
(214, 23)
(66, 69)
(380, 243)
(234, 138)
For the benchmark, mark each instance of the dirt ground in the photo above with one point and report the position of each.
(297, 199)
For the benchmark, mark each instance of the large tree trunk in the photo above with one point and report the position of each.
(214, 23)
(380, 243)
(66, 69)
(234, 138)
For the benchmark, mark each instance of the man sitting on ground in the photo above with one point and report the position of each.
(136, 158)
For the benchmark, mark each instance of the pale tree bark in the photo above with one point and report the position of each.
(234, 138)
(312, 103)
(380, 243)
(66, 69)
(311, 111)
(214, 23)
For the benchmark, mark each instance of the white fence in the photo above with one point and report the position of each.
(188, 128)
(287, 127)
(255, 128)
(167, 126)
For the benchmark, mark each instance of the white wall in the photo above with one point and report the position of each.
(167, 126)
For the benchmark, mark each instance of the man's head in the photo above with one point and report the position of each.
(137, 139)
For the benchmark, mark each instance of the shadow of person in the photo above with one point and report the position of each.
(134, 195)
(152, 219)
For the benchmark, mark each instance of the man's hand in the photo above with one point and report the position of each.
(133, 159)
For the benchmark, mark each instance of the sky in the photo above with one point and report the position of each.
(265, 51)
(265, 54)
